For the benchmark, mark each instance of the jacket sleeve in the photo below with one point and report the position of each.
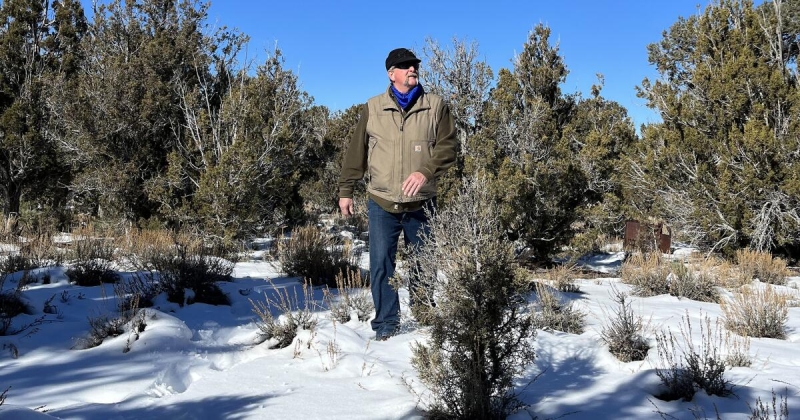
(355, 157)
(446, 147)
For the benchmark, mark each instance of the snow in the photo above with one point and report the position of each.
(206, 362)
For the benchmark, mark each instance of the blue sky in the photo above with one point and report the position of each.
(338, 48)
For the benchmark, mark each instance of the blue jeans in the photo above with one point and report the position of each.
(384, 233)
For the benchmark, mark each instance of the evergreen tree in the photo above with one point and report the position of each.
(248, 145)
(321, 191)
(523, 152)
(25, 153)
(599, 133)
(481, 325)
(723, 166)
(118, 130)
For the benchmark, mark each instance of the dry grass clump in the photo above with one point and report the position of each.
(624, 331)
(141, 247)
(353, 297)
(651, 275)
(776, 410)
(41, 249)
(757, 312)
(762, 266)
(693, 281)
(647, 273)
(313, 255)
(690, 367)
(181, 261)
(728, 274)
(294, 315)
(553, 315)
(738, 350)
(562, 278)
(91, 259)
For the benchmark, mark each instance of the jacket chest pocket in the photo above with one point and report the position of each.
(418, 153)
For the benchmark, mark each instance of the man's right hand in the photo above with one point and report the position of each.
(346, 206)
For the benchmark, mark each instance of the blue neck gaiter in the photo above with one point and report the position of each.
(405, 100)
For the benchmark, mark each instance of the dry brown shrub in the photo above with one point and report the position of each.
(295, 313)
(651, 275)
(762, 266)
(687, 367)
(313, 255)
(757, 312)
(623, 333)
(562, 277)
(182, 261)
(693, 281)
(553, 315)
(353, 296)
(647, 273)
(728, 274)
(91, 254)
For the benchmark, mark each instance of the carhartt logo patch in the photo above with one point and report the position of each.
(417, 148)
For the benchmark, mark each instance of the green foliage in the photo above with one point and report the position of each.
(722, 167)
(320, 193)
(481, 326)
(28, 160)
(599, 133)
(550, 157)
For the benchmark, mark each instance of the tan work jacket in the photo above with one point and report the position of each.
(390, 144)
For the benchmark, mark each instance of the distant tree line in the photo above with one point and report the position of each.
(145, 115)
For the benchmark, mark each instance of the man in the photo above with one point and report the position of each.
(405, 139)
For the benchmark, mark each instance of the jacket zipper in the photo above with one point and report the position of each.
(402, 154)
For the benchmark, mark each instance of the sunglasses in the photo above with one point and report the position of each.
(405, 66)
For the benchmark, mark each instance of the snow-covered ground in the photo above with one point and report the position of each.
(204, 362)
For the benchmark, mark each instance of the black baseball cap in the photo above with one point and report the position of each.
(399, 56)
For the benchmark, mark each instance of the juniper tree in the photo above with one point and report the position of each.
(25, 153)
(723, 165)
(527, 160)
(599, 133)
(320, 192)
(118, 127)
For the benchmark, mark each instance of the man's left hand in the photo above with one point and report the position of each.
(413, 184)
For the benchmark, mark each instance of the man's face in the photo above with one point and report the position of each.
(404, 76)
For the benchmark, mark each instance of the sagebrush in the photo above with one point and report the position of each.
(756, 312)
(481, 325)
(312, 254)
(624, 331)
(686, 368)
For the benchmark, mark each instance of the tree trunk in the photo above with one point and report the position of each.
(13, 197)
